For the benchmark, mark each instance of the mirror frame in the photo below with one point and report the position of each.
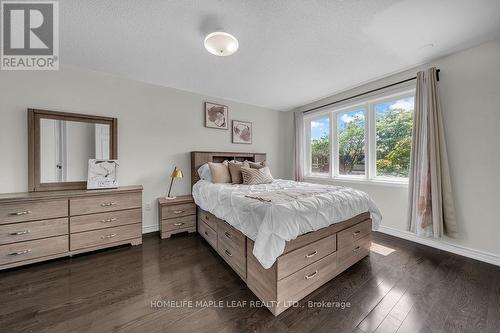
(34, 116)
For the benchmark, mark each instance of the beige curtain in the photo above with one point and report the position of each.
(431, 208)
(298, 161)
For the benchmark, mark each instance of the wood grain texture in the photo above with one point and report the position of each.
(29, 211)
(20, 232)
(208, 218)
(348, 236)
(105, 203)
(21, 251)
(207, 232)
(112, 291)
(89, 222)
(83, 240)
(178, 223)
(177, 210)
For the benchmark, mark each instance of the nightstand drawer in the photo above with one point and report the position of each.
(20, 232)
(178, 223)
(178, 210)
(100, 237)
(30, 211)
(105, 203)
(104, 220)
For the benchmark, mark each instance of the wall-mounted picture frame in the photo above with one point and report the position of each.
(216, 116)
(242, 132)
(102, 174)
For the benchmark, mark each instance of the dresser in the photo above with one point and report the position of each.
(176, 215)
(39, 226)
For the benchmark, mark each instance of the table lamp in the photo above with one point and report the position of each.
(175, 174)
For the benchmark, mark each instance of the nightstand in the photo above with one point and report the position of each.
(176, 215)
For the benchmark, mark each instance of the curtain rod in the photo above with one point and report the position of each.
(367, 92)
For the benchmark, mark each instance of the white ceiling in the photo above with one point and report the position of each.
(292, 52)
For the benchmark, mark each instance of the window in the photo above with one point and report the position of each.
(370, 140)
(320, 145)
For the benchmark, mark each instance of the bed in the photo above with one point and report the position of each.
(284, 239)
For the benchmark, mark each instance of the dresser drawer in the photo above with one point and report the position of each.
(294, 287)
(230, 234)
(233, 254)
(19, 232)
(104, 220)
(209, 218)
(178, 223)
(30, 210)
(208, 233)
(348, 236)
(301, 257)
(353, 252)
(170, 211)
(100, 237)
(105, 203)
(33, 249)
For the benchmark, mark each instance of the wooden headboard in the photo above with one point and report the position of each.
(198, 158)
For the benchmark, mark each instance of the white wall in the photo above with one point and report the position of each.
(470, 99)
(157, 127)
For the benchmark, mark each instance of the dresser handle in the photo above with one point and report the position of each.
(206, 233)
(312, 254)
(178, 224)
(356, 233)
(113, 219)
(26, 212)
(356, 249)
(310, 276)
(179, 211)
(17, 233)
(108, 236)
(228, 253)
(108, 204)
(19, 253)
(228, 235)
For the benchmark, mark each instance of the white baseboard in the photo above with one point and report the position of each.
(150, 228)
(445, 246)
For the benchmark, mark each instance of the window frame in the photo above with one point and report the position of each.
(368, 105)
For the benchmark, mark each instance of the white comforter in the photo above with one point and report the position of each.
(270, 224)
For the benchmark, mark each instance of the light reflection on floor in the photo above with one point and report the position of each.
(381, 249)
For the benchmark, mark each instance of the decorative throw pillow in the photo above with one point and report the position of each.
(256, 176)
(220, 172)
(235, 171)
(257, 165)
(204, 172)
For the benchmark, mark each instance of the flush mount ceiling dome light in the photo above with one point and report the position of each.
(221, 43)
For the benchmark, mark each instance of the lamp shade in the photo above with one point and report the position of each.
(177, 174)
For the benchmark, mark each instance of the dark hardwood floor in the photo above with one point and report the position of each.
(412, 289)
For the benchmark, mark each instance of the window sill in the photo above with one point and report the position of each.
(363, 181)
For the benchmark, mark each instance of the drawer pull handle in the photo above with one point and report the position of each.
(207, 217)
(312, 254)
(206, 233)
(179, 211)
(310, 276)
(20, 252)
(356, 233)
(17, 233)
(356, 249)
(26, 212)
(228, 235)
(113, 219)
(108, 204)
(108, 236)
(178, 224)
(228, 253)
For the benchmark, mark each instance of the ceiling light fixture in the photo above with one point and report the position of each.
(221, 43)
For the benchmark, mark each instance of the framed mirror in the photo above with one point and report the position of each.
(60, 145)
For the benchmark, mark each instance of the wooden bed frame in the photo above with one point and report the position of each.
(308, 262)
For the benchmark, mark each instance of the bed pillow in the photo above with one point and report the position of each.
(220, 172)
(204, 172)
(235, 171)
(257, 165)
(253, 176)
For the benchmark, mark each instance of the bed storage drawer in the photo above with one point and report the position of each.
(21, 251)
(208, 218)
(20, 232)
(105, 203)
(294, 287)
(355, 251)
(234, 253)
(178, 223)
(230, 234)
(208, 233)
(295, 260)
(33, 210)
(346, 237)
(106, 236)
(105, 220)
